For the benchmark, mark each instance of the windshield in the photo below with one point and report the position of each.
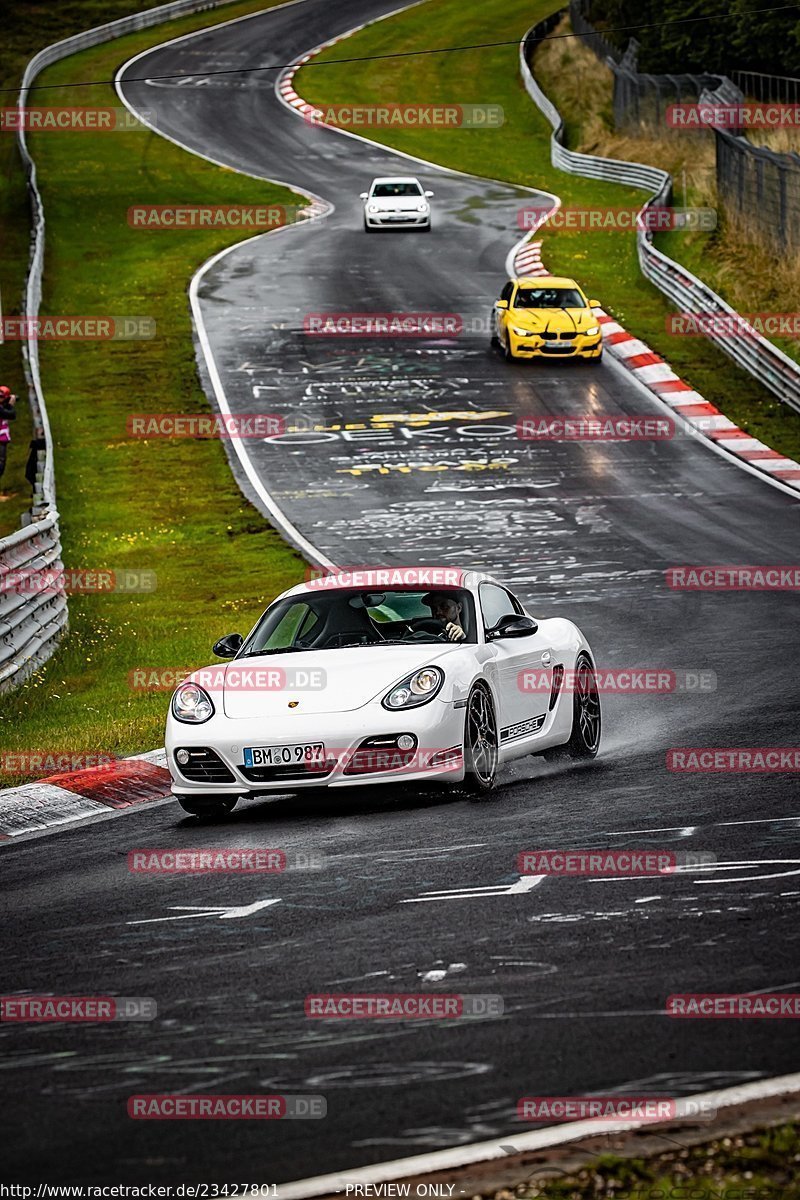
(397, 189)
(344, 617)
(548, 298)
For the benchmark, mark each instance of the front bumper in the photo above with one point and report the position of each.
(400, 220)
(437, 726)
(580, 346)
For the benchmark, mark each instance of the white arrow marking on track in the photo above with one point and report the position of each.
(202, 910)
(713, 868)
(524, 884)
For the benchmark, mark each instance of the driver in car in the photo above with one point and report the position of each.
(446, 609)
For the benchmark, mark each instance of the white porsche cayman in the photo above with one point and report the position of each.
(380, 676)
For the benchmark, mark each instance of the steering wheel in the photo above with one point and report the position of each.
(429, 625)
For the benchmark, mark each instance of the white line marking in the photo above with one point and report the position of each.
(525, 883)
(712, 825)
(203, 910)
(462, 1156)
(709, 868)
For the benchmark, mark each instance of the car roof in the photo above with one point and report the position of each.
(395, 179)
(546, 281)
(417, 578)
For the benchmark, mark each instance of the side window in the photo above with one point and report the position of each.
(495, 602)
(298, 616)
(507, 290)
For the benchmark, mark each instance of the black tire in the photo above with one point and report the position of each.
(597, 360)
(581, 746)
(587, 722)
(209, 807)
(480, 742)
(367, 229)
(426, 228)
(508, 353)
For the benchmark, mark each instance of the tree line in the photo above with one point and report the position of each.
(735, 37)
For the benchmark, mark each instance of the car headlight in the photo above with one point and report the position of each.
(192, 704)
(594, 330)
(416, 689)
(523, 332)
(373, 208)
(423, 207)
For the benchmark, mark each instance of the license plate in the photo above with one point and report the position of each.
(310, 753)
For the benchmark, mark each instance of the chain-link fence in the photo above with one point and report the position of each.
(774, 89)
(759, 187)
(588, 34)
(640, 101)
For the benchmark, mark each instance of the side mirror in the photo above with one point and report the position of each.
(363, 195)
(512, 626)
(429, 194)
(228, 646)
(501, 304)
(595, 304)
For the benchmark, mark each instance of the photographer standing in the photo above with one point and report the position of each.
(8, 413)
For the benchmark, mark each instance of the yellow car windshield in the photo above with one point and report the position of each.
(548, 298)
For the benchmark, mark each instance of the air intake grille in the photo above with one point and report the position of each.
(204, 766)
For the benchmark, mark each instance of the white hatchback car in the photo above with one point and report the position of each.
(373, 677)
(397, 202)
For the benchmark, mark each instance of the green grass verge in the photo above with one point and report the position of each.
(168, 506)
(762, 1165)
(604, 262)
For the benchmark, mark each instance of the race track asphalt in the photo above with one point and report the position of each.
(583, 530)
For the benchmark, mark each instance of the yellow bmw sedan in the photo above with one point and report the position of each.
(547, 317)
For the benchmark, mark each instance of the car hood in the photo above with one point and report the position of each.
(321, 681)
(397, 203)
(555, 320)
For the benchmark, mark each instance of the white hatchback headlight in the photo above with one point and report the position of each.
(416, 689)
(373, 208)
(192, 704)
(423, 207)
(591, 332)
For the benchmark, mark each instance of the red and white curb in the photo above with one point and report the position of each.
(285, 87)
(528, 260)
(659, 378)
(60, 800)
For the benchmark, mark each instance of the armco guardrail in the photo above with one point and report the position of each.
(754, 353)
(31, 620)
